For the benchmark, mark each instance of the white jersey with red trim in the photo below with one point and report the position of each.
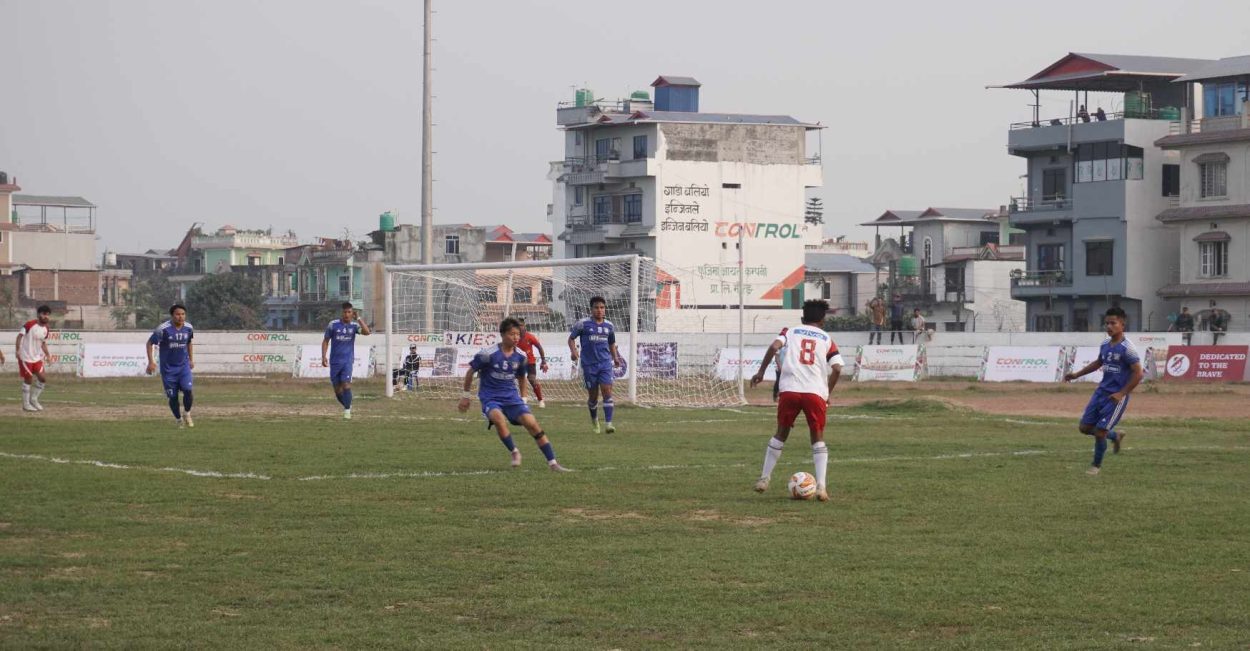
(33, 336)
(809, 354)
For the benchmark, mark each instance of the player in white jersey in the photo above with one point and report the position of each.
(32, 352)
(809, 371)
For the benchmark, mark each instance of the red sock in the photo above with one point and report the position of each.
(538, 391)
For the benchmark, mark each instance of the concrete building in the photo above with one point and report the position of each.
(846, 281)
(664, 180)
(842, 245)
(1210, 187)
(1095, 183)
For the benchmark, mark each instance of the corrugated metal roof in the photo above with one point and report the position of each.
(1146, 64)
(674, 80)
(1118, 72)
(51, 201)
(894, 217)
(1204, 213)
(959, 214)
(1204, 138)
(700, 118)
(836, 262)
(1229, 67)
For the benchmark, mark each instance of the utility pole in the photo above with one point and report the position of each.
(427, 173)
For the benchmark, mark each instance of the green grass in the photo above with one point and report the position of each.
(657, 541)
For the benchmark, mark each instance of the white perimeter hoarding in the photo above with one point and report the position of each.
(701, 210)
(308, 362)
(1025, 363)
(889, 363)
(1082, 356)
(112, 360)
(447, 355)
(728, 361)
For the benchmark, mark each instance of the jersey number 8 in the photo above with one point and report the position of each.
(807, 352)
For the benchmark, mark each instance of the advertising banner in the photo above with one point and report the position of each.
(1206, 363)
(308, 362)
(658, 360)
(1027, 363)
(1083, 356)
(889, 363)
(112, 360)
(727, 362)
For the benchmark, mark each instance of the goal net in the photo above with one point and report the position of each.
(446, 313)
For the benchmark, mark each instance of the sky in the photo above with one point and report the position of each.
(304, 115)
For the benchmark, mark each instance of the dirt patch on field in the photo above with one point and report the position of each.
(592, 514)
(717, 516)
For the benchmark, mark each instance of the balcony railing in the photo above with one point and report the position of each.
(335, 295)
(600, 219)
(1147, 114)
(1045, 278)
(1028, 204)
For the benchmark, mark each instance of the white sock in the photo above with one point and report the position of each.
(771, 456)
(36, 389)
(25, 394)
(820, 459)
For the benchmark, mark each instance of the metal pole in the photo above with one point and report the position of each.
(507, 310)
(634, 266)
(742, 391)
(427, 173)
(389, 309)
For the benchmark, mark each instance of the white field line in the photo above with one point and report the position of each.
(122, 466)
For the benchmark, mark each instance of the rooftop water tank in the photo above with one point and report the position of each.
(386, 222)
(583, 97)
(907, 266)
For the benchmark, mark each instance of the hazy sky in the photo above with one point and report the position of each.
(306, 115)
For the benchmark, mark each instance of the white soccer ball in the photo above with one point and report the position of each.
(802, 486)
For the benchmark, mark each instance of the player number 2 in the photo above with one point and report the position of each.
(807, 351)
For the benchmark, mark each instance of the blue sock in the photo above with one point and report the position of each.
(508, 443)
(173, 405)
(548, 451)
(347, 399)
(1100, 448)
(186, 400)
(594, 409)
(608, 408)
(1112, 435)
(338, 396)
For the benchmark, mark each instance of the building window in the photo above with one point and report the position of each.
(1098, 258)
(989, 237)
(280, 260)
(928, 249)
(1050, 257)
(633, 208)
(579, 195)
(547, 291)
(1054, 185)
(1223, 99)
(640, 147)
(603, 209)
(577, 138)
(1048, 323)
(523, 295)
(1108, 161)
(1214, 259)
(1214, 178)
(608, 148)
(253, 260)
(488, 294)
(1080, 320)
(1171, 180)
(955, 280)
(345, 285)
(452, 244)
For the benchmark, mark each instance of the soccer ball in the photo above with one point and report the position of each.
(802, 486)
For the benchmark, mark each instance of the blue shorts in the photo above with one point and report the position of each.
(1102, 412)
(513, 411)
(340, 373)
(175, 379)
(597, 376)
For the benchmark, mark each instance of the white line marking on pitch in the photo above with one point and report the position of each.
(121, 466)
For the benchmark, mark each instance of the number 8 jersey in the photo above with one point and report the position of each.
(808, 355)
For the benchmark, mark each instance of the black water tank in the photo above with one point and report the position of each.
(4, 178)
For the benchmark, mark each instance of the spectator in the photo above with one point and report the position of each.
(918, 327)
(1100, 115)
(876, 312)
(1083, 114)
(896, 319)
(405, 376)
(1184, 324)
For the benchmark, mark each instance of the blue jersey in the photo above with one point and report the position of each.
(173, 344)
(596, 341)
(1117, 364)
(499, 373)
(342, 337)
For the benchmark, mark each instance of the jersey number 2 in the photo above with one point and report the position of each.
(807, 351)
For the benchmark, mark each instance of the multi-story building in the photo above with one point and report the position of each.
(664, 180)
(1211, 189)
(1095, 182)
(846, 281)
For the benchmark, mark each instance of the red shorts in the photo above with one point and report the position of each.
(29, 369)
(790, 403)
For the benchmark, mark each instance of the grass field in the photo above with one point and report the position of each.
(949, 527)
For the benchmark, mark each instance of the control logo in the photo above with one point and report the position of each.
(268, 336)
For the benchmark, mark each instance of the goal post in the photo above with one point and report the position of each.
(448, 312)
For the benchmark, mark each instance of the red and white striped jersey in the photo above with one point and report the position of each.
(33, 336)
(807, 358)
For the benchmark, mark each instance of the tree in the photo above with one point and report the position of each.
(815, 212)
(147, 300)
(226, 301)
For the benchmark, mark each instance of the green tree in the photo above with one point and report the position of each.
(147, 300)
(814, 213)
(226, 301)
(847, 323)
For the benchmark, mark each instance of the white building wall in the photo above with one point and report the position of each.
(1153, 259)
(70, 251)
(988, 286)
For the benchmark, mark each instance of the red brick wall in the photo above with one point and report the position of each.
(76, 287)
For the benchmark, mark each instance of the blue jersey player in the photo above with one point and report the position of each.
(177, 357)
(597, 337)
(340, 339)
(1121, 371)
(501, 367)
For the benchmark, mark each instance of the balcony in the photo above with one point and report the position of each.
(595, 170)
(321, 296)
(1040, 283)
(1059, 133)
(1025, 210)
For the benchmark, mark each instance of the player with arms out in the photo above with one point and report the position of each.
(177, 356)
(599, 357)
(340, 339)
(527, 343)
(809, 372)
(1121, 372)
(32, 350)
(501, 367)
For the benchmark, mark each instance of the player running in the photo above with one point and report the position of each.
(340, 339)
(1121, 372)
(809, 372)
(32, 350)
(177, 355)
(501, 367)
(527, 343)
(597, 337)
